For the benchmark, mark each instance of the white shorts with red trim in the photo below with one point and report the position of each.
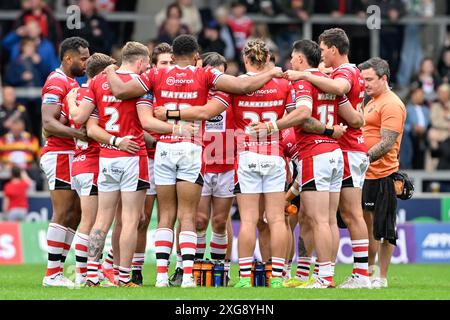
(322, 172)
(220, 185)
(85, 184)
(57, 168)
(259, 173)
(151, 176)
(355, 167)
(123, 173)
(179, 161)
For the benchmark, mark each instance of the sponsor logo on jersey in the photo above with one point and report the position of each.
(170, 81)
(252, 166)
(262, 92)
(50, 98)
(217, 118)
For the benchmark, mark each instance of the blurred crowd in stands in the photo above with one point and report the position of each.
(419, 61)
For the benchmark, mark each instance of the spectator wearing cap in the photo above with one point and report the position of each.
(210, 40)
(11, 110)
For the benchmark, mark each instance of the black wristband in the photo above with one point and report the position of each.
(328, 132)
(114, 141)
(169, 115)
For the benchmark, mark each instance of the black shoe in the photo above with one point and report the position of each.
(177, 278)
(136, 277)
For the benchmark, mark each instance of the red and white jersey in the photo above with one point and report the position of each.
(242, 29)
(353, 139)
(117, 117)
(178, 88)
(266, 104)
(86, 153)
(324, 107)
(218, 138)
(56, 87)
(289, 143)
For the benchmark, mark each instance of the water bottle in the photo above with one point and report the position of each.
(259, 275)
(218, 274)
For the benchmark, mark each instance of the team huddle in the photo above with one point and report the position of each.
(175, 129)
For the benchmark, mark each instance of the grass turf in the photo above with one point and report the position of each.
(406, 282)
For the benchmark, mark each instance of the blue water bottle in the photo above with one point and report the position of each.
(218, 274)
(259, 275)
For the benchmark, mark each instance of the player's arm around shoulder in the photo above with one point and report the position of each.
(244, 85)
(124, 90)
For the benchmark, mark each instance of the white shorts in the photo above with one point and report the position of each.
(85, 184)
(57, 168)
(123, 173)
(258, 173)
(151, 177)
(355, 167)
(181, 161)
(220, 185)
(322, 172)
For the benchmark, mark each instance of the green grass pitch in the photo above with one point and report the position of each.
(406, 282)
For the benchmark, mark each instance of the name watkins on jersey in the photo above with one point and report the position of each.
(179, 95)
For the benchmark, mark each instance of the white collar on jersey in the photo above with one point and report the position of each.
(311, 70)
(59, 70)
(124, 72)
(347, 64)
(84, 85)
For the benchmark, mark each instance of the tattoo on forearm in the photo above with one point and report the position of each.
(388, 138)
(301, 248)
(312, 125)
(96, 244)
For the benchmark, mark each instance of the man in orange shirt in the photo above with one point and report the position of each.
(384, 116)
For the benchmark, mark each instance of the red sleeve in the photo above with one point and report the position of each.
(147, 79)
(54, 91)
(290, 98)
(222, 97)
(89, 93)
(146, 100)
(303, 90)
(211, 76)
(344, 73)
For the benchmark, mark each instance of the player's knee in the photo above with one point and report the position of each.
(219, 224)
(201, 223)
